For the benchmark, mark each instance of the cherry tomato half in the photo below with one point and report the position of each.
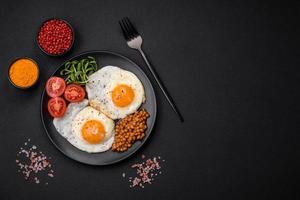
(57, 107)
(74, 93)
(55, 86)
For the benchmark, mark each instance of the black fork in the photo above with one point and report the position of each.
(134, 41)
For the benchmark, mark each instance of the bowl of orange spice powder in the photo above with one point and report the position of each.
(23, 73)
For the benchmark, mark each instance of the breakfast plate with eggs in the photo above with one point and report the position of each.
(98, 108)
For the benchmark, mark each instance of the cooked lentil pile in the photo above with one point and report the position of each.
(129, 130)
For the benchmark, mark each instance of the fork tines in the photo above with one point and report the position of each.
(128, 29)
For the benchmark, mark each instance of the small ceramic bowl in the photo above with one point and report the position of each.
(55, 55)
(20, 87)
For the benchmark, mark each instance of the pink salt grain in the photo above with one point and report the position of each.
(145, 172)
(33, 164)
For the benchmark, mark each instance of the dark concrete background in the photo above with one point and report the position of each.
(232, 67)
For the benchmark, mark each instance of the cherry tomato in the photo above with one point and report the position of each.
(74, 93)
(55, 86)
(57, 107)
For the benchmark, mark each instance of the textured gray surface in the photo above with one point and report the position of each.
(231, 67)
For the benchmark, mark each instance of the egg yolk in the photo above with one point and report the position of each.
(122, 95)
(93, 131)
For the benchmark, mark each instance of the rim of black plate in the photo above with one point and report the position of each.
(150, 128)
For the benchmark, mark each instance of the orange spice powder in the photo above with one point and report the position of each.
(24, 72)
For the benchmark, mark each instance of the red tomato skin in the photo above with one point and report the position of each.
(61, 84)
(80, 91)
(62, 110)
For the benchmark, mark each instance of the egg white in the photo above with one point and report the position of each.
(67, 126)
(101, 84)
(86, 114)
(63, 124)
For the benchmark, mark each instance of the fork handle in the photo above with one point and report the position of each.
(161, 86)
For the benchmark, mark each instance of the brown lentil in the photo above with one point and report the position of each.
(129, 130)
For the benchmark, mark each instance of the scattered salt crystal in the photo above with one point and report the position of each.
(145, 172)
(32, 163)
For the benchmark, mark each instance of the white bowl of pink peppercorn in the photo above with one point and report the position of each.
(55, 37)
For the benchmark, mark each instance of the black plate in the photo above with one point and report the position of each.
(109, 157)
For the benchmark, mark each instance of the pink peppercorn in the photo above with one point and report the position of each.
(55, 37)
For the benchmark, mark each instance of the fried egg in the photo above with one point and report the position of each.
(115, 92)
(92, 131)
(85, 128)
(63, 124)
